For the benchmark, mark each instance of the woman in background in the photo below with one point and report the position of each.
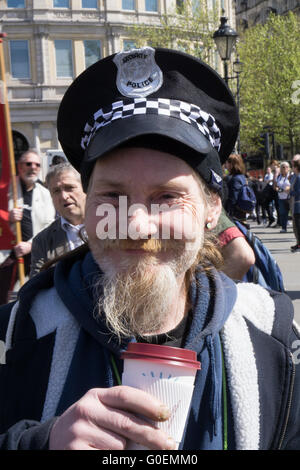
(235, 180)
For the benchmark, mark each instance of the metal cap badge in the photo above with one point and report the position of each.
(138, 73)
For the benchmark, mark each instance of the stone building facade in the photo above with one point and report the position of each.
(251, 12)
(50, 42)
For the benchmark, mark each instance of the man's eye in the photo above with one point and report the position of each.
(167, 196)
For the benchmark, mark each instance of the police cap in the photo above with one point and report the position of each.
(157, 98)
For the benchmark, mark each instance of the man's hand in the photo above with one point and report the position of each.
(15, 215)
(105, 418)
(22, 249)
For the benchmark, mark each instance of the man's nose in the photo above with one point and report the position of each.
(141, 224)
(64, 195)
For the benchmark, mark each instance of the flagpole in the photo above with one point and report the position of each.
(10, 154)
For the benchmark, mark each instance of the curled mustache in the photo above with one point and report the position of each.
(151, 245)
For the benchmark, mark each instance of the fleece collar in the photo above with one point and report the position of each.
(52, 310)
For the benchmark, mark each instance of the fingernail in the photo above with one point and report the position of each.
(164, 413)
(171, 444)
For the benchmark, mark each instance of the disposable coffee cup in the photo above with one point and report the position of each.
(168, 374)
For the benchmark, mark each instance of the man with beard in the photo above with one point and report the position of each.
(149, 147)
(34, 211)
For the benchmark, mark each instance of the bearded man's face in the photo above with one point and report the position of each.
(145, 218)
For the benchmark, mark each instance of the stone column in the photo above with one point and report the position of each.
(42, 55)
(36, 136)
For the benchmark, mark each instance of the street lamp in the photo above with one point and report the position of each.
(237, 69)
(225, 38)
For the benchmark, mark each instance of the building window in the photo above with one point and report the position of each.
(64, 58)
(89, 4)
(128, 4)
(19, 59)
(151, 5)
(15, 3)
(128, 44)
(61, 3)
(92, 52)
(195, 6)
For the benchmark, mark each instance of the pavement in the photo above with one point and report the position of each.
(289, 263)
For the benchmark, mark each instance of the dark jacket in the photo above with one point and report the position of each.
(47, 245)
(263, 192)
(234, 184)
(57, 351)
(295, 193)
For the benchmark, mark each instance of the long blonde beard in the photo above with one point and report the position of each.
(139, 300)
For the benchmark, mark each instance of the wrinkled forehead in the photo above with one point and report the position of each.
(64, 177)
(142, 166)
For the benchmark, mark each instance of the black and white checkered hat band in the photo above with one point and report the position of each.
(129, 107)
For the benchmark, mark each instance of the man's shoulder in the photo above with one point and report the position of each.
(269, 311)
(41, 189)
(40, 186)
(45, 309)
(223, 223)
(46, 232)
(5, 312)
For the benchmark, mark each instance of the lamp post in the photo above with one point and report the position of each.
(237, 68)
(225, 38)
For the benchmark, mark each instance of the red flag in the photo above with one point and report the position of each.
(7, 238)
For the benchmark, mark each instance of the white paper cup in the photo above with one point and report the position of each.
(168, 374)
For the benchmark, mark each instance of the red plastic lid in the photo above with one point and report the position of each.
(162, 354)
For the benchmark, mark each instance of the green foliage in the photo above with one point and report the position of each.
(188, 28)
(270, 54)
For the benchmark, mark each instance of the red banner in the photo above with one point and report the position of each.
(6, 236)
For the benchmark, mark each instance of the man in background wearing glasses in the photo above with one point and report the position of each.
(34, 210)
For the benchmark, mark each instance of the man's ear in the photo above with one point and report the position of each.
(214, 211)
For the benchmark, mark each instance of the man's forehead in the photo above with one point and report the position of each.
(144, 160)
(30, 156)
(67, 177)
(144, 175)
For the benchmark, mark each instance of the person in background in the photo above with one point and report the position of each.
(276, 171)
(269, 175)
(251, 181)
(259, 188)
(293, 177)
(282, 186)
(237, 254)
(235, 180)
(269, 196)
(35, 211)
(57, 159)
(63, 235)
(295, 195)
